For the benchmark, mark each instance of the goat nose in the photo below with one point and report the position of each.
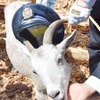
(54, 94)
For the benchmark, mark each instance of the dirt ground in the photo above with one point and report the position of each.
(14, 86)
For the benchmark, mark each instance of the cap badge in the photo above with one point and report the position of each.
(27, 13)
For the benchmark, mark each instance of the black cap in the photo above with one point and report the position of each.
(31, 16)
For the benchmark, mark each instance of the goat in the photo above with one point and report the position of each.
(46, 65)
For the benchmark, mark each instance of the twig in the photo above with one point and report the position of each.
(94, 22)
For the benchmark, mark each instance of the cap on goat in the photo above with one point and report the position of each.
(30, 22)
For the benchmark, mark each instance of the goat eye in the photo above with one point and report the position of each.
(60, 60)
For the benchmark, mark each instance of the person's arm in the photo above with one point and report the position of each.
(94, 80)
(80, 11)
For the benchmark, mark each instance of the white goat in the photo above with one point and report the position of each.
(46, 65)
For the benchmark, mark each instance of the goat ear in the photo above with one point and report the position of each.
(66, 42)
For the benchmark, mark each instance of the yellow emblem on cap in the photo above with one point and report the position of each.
(27, 13)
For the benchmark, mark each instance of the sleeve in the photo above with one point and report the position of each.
(94, 79)
(93, 82)
(96, 72)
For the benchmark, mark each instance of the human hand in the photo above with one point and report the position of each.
(79, 91)
(79, 12)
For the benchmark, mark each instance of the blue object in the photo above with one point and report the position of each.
(30, 22)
